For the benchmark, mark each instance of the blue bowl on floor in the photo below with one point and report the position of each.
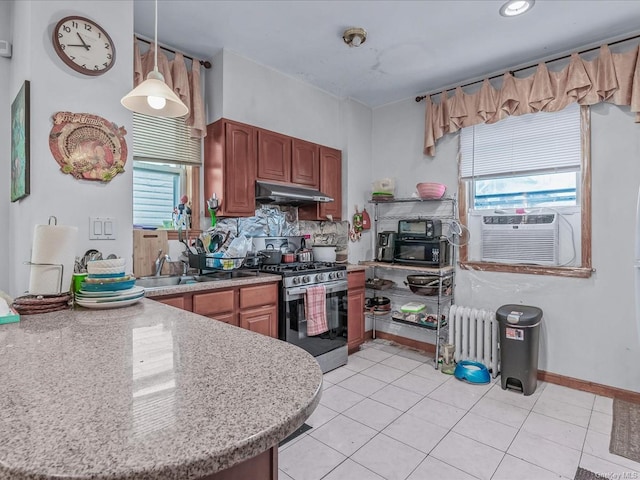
(472, 372)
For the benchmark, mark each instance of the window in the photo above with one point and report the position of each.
(165, 167)
(524, 170)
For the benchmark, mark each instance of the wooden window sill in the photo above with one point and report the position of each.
(576, 272)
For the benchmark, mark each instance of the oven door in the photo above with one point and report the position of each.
(294, 324)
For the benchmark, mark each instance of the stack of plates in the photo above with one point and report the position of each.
(107, 286)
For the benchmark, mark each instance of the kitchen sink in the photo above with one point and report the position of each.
(164, 281)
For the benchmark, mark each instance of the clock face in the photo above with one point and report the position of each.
(83, 45)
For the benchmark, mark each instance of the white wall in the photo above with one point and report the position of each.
(589, 329)
(5, 139)
(55, 87)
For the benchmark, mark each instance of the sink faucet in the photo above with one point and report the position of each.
(160, 259)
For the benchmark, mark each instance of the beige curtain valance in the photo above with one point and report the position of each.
(186, 84)
(610, 77)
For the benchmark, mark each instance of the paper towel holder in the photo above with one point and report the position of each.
(61, 266)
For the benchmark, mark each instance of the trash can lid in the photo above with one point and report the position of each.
(520, 315)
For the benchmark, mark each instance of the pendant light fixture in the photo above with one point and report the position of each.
(153, 96)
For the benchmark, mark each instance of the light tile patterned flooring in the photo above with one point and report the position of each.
(390, 415)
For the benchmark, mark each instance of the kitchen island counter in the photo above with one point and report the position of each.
(145, 392)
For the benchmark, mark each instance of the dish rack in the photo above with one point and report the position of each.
(214, 261)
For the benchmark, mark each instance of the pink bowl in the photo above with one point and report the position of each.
(431, 191)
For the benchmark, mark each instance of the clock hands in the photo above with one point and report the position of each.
(84, 44)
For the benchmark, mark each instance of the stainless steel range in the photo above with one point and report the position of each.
(329, 348)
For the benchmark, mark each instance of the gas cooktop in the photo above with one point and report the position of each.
(288, 269)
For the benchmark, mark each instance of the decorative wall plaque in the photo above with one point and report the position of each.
(87, 146)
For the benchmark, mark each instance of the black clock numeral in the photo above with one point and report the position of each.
(96, 67)
(107, 46)
(84, 65)
(108, 56)
(74, 24)
(72, 57)
(99, 35)
(66, 28)
(62, 46)
(105, 64)
(60, 35)
(87, 27)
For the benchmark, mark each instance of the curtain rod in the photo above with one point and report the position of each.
(204, 63)
(422, 97)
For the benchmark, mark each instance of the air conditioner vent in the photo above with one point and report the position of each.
(531, 239)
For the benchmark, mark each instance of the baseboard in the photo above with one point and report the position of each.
(543, 376)
(591, 387)
(407, 342)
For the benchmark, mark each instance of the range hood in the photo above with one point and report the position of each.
(286, 194)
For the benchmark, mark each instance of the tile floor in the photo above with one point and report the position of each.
(390, 415)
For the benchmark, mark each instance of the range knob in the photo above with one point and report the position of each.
(332, 275)
(306, 279)
(320, 277)
(295, 280)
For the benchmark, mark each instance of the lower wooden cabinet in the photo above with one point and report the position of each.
(355, 310)
(254, 307)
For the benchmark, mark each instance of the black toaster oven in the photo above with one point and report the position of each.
(420, 229)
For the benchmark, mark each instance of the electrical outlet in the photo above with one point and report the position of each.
(102, 228)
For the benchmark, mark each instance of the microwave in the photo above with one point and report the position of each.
(420, 229)
(430, 253)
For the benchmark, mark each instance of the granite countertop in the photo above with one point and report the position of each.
(146, 392)
(260, 277)
(352, 267)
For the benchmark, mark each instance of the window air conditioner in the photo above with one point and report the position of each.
(529, 239)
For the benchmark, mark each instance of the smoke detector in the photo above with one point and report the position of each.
(355, 36)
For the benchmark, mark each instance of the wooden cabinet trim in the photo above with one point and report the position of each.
(211, 303)
(258, 295)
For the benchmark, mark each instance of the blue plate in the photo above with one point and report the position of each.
(472, 372)
(107, 287)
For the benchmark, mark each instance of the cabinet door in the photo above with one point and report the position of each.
(211, 303)
(262, 320)
(355, 310)
(178, 302)
(240, 170)
(259, 295)
(305, 163)
(331, 182)
(274, 156)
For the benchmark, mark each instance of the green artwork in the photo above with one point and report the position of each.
(20, 144)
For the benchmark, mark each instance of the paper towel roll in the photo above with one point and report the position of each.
(53, 245)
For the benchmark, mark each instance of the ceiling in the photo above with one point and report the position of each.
(412, 47)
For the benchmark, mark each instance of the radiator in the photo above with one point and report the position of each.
(475, 335)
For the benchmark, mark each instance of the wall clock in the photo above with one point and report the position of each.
(84, 45)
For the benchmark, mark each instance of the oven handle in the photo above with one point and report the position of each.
(331, 287)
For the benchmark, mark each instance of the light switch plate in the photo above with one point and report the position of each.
(102, 228)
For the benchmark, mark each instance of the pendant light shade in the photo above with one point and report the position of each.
(153, 96)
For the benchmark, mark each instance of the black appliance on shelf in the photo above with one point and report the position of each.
(420, 242)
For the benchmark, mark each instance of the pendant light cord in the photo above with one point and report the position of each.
(155, 50)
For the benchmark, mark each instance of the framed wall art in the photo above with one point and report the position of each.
(88, 147)
(20, 165)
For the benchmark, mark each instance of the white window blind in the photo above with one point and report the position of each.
(157, 139)
(538, 142)
(154, 193)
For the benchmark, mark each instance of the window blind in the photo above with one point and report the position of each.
(158, 139)
(153, 195)
(537, 142)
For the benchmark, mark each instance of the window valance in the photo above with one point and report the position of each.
(610, 77)
(186, 84)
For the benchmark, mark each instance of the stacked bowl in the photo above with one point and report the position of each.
(430, 190)
(107, 286)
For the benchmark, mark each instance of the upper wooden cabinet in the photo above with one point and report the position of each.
(305, 163)
(230, 158)
(330, 184)
(274, 156)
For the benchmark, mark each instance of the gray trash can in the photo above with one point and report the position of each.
(519, 339)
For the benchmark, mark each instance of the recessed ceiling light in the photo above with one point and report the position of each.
(516, 7)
